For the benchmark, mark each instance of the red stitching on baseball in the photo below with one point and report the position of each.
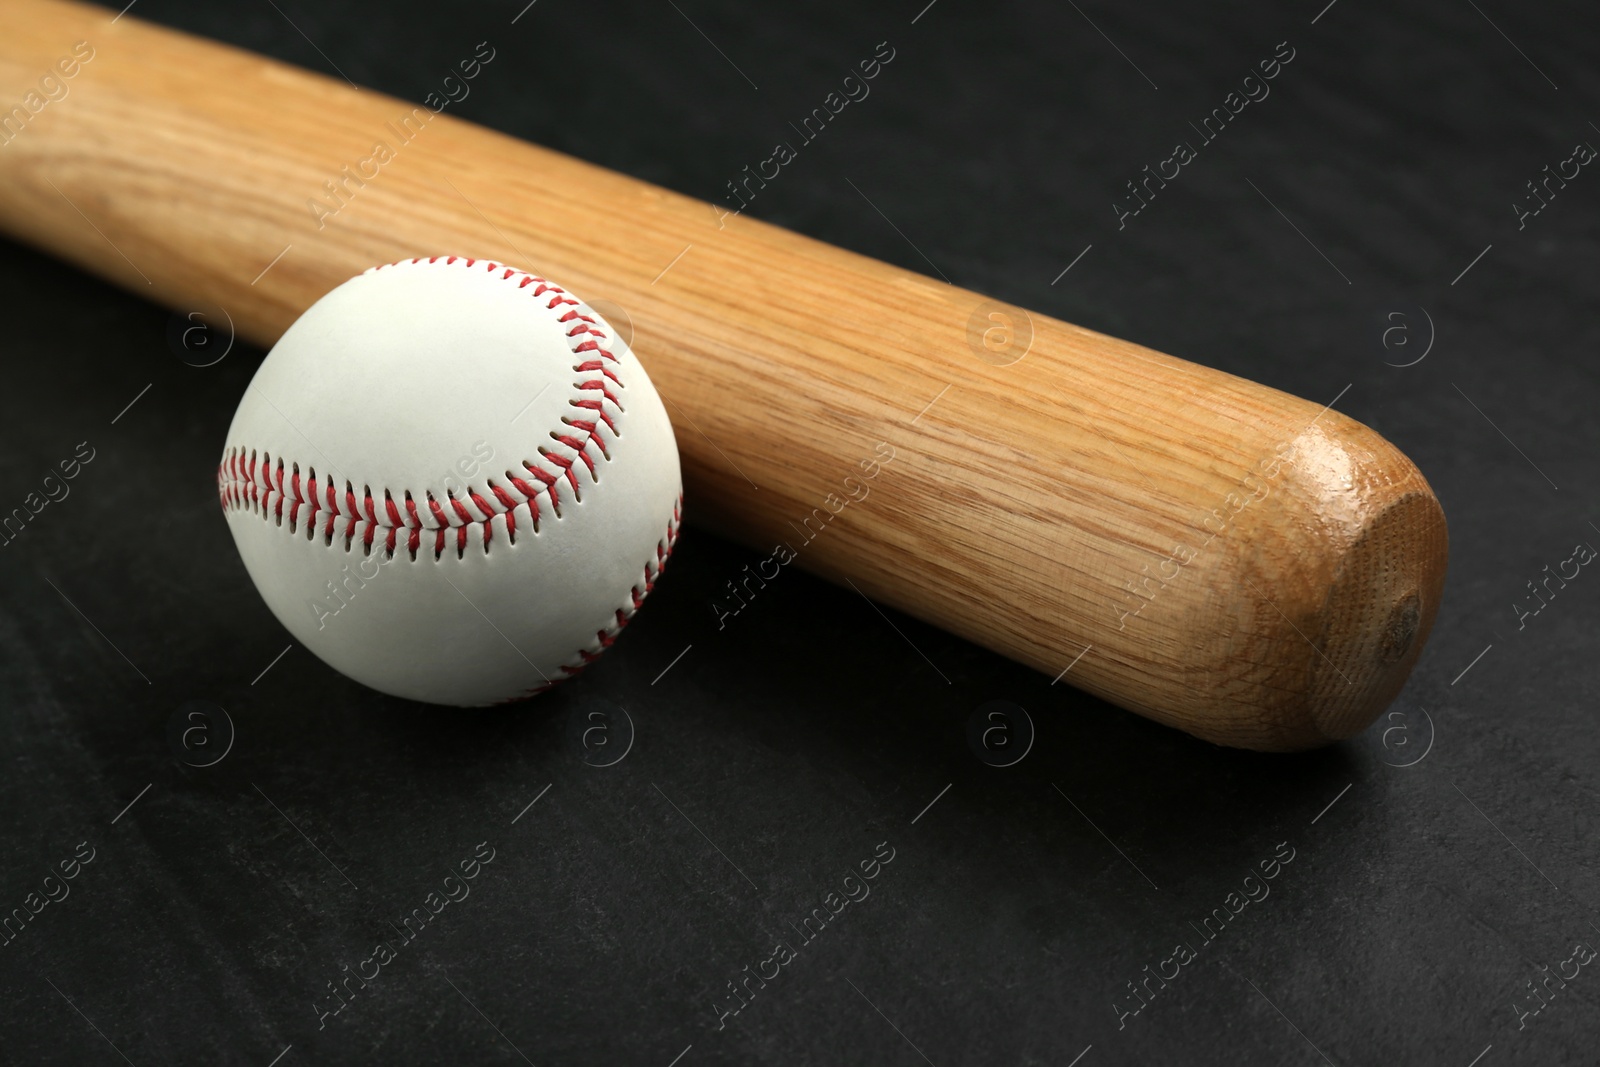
(246, 484)
(606, 637)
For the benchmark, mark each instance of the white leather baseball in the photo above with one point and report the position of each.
(451, 481)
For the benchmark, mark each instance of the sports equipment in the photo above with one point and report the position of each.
(451, 481)
(1212, 553)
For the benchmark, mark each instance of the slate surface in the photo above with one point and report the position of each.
(1438, 862)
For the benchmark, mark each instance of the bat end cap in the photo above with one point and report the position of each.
(1378, 613)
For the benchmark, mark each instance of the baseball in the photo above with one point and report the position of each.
(452, 482)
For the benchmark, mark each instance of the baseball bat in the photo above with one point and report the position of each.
(1256, 569)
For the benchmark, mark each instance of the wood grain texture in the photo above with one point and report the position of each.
(1241, 564)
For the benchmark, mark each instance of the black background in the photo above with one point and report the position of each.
(780, 750)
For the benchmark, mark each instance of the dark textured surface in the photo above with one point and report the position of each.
(808, 731)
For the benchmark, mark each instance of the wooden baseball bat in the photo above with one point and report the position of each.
(1217, 555)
